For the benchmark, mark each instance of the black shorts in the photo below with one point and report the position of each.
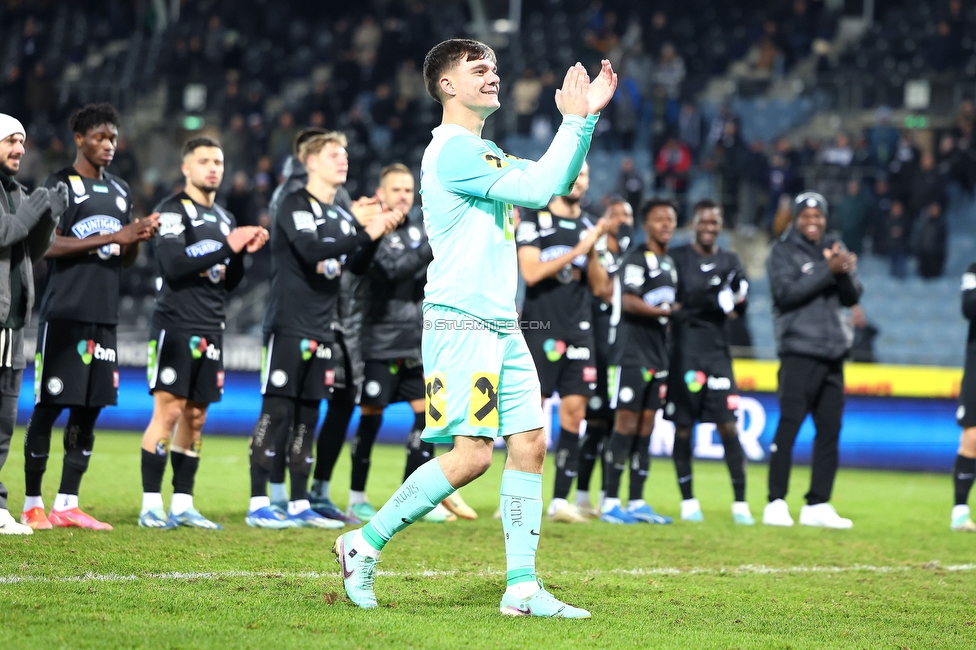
(701, 390)
(966, 411)
(344, 375)
(297, 367)
(566, 368)
(633, 388)
(393, 380)
(76, 364)
(186, 364)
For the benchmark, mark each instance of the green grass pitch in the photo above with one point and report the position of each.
(898, 579)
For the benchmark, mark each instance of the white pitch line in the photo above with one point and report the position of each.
(656, 571)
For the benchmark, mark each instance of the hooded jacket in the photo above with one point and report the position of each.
(807, 298)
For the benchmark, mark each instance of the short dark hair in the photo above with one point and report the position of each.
(304, 136)
(447, 54)
(705, 204)
(656, 203)
(200, 141)
(90, 116)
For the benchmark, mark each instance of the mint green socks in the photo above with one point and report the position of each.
(418, 495)
(521, 503)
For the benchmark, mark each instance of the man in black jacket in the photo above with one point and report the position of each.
(811, 276)
(392, 328)
(26, 233)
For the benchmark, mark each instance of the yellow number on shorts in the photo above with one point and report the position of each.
(436, 400)
(484, 400)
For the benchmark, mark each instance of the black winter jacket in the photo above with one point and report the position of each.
(394, 319)
(807, 298)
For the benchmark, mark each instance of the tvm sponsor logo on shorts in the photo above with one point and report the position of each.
(89, 349)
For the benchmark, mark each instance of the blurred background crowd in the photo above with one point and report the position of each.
(747, 101)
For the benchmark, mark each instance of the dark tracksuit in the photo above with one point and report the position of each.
(812, 339)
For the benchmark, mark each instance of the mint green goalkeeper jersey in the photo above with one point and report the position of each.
(475, 266)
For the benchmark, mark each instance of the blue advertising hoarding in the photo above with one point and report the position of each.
(879, 432)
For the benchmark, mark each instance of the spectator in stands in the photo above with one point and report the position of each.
(659, 31)
(625, 110)
(780, 180)
(691, 128)
(883, 137)
(282, 137)
(526, 92)
(233, 141)
(800, 29)
(839, 153)
(897, 227)
(12, 91)
(672, 166)
(240, 200)
(944, 51)
(955, 163)
(927, 187)
(862, 349)
(878, 216)
(753, 197)
(729, 154)
(852, 216)
(929, 240)
(630, 184)
(903, 167)
(669, 72)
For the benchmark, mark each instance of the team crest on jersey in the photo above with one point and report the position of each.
(651, 260)
(224, 228)
(191, 210)
(121, 204)
(345, 227)
(77, 185)
(545, 220)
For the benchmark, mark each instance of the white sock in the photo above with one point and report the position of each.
(360, 544)
(357, 497)
(258, 502)
(957, 511)
(278, 492)
(523, 589)
(582, 499)
(151, 501)
(740, 506)
(320, 489)
(610, 503)
(180, 503)
(635, 504)
(33, 502)
(295, 507)
(64, 502)
(557, 504)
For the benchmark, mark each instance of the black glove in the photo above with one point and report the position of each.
(58, 199)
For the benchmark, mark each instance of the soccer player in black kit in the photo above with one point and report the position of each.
(554, 252)
(609, 251)
(639, 362)
(313, 240)
(76, 364)
(711, 289)
(200, 255)
(964, 471)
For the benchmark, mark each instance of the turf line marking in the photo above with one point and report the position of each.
(660, 571)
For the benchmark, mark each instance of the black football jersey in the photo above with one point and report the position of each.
(604, 325)
(196, 266)
(310, 242)
(701, 325)
(564, 301)
(86, 287)
(643, 341)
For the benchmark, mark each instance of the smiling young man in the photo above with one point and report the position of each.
(481, 382)
(639, 362)
(811, 278)
(712, 288)
(76, 364)
(200, 255)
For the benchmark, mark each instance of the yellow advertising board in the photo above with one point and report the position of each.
(861, 379)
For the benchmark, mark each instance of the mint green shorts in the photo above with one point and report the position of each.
(479, 381)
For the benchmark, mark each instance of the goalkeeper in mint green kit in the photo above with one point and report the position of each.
(481, 381)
